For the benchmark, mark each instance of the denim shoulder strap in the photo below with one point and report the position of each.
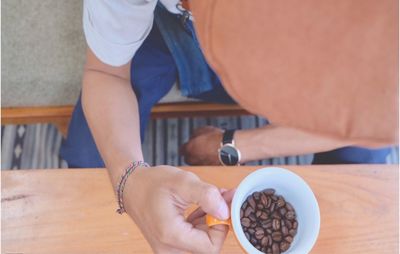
(195, 76)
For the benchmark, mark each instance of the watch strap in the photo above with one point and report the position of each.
(227, 138)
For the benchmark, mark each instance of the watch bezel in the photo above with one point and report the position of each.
(232, 146)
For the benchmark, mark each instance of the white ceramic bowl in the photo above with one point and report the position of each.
(295, 190)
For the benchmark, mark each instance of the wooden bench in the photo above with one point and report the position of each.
(60, 116)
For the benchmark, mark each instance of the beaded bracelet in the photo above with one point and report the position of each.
(122, 182)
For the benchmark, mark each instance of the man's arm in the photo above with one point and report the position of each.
(155, 198)
(256, 144)
(111, 109)
(276, 141)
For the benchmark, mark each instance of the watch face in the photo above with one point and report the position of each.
(228, 155)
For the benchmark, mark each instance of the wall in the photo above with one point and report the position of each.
(42, 52)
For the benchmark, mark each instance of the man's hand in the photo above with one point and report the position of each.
(202, 148)
(156, 198)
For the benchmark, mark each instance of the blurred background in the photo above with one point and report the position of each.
(43, 50)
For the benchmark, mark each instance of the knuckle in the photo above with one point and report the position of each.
(192, 176)
(185, 176)
(210, 192)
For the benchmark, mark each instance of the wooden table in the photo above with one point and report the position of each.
(73, 211)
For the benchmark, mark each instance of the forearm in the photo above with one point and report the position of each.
(111, 109)
(274, 141)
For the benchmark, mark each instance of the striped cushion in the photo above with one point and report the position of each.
(37, 145)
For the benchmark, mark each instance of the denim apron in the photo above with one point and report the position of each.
(172, 52)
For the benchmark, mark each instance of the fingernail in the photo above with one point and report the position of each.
(223, 211)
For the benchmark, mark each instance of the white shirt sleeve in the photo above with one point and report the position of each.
(115, 29)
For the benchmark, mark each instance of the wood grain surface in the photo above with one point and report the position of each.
(23, 115)
(60, 116)
(73, 211)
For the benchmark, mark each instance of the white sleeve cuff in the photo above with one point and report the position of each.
(111, 53)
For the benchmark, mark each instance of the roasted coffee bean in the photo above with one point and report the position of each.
(269, 192)
(282, 223)
(290, 215)
(276, 215)
(253, 241)
(269, 202)
(269, 230)
(276, 224)
(274, 198)
(258, 213)
(253, 225)
(282, 211)
(281, 202)
(258, 247)
(293, 232)
(259, 234)
(252, 217)
(245, 222)
(264, 199)
(241, 213)
(284, 246)
(256, 195)
(289, 207)
(260, 206)
(266, 224)
(288, 224)
(277, 236)
(272, 207)
(252, 202)
(269, 240)
(275, 248)
(247, 235)
(263, 216)
(264, 241)
(289, 239)
(248, 211)
(285, 230)
(244, 205)
(269, 251)
(251, 231)
(295, 224)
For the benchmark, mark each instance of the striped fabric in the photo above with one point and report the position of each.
(38, 145)
(165, 136)
(30, 146)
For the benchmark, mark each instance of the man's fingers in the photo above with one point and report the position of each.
(211, 201)
(197, 238)
(184, 151)
(202, 130)
(218, 234)
(195, 214)
(207, 196)
(228, 195)
(193, 234)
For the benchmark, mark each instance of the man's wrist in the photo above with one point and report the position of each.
(117, 168)
(121, 184)
(241, 144)
(251, 145)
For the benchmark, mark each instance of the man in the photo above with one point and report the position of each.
(130, 64)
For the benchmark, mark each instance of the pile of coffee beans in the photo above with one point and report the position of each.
(268, 221)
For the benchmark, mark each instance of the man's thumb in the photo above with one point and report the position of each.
(207, 196)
